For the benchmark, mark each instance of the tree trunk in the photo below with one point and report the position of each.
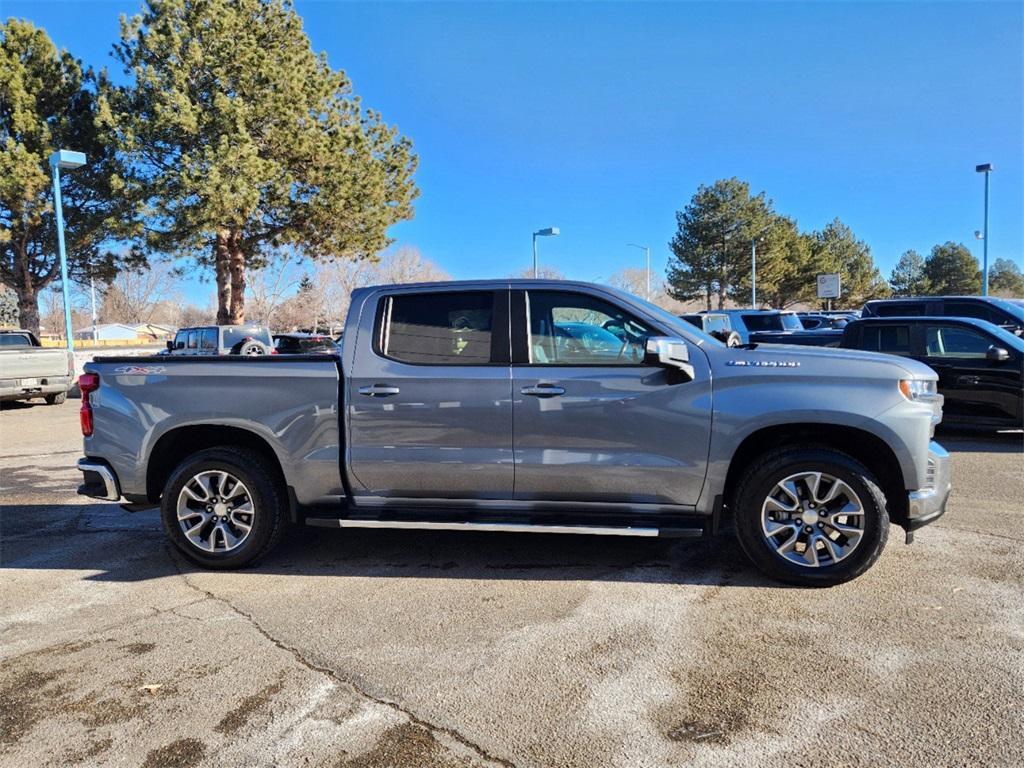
(237, 267)
(221, 262)
(28, 307)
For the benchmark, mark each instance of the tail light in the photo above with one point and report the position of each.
(273, 350)
(87, 384)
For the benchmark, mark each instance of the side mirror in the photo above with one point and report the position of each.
(170, 346)
(669, 352)
(997, 354)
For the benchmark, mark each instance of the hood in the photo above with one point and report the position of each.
(826, 361)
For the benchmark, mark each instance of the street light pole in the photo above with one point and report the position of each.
(987, 169)
(647, 251)
(753, 273)
(68, 160)
(92, 292)
(547, 232)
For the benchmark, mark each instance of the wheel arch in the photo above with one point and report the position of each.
(177, 444)
(864, 446)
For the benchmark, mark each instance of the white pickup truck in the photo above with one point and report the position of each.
(29, 370)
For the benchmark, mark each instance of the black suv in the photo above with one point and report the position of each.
(980, 365)
(1007, 313)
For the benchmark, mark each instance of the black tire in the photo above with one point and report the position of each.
(56, 399)
(774, 466)
(270, 516)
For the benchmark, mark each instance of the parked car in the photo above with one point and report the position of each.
(1007, 313)
(28, 370)
(717, 325)
(412, 427)
(747, 321)
(979, 364)
(304, 344)
(248, 340)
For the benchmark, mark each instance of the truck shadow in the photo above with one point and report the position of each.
(112, 545)
(963, 440)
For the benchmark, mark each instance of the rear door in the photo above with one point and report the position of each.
(429, 398)
(592, 421)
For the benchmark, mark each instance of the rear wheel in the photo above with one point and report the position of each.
(56, 399)
(811, 516)
(222, 508)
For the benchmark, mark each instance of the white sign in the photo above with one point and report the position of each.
(828, 286)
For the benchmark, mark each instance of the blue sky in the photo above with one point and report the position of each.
(602, 118)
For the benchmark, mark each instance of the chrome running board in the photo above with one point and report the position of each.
(427, 525)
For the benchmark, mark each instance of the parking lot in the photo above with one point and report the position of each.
(405, 648)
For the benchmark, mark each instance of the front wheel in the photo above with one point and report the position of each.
(811, 516)
(222, 508)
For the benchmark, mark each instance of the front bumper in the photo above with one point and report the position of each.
(929, 503)
(99, 480)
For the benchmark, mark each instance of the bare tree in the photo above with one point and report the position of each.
(634, 280)
(269, 288)
(543, 273)
(136, 296)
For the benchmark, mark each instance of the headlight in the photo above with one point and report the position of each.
(918, 389)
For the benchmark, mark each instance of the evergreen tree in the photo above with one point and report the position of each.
(951, 270)
(48, 102)
(244, 142)
(908, 278)
(1005, 279)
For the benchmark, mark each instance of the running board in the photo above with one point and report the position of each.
(425, 525)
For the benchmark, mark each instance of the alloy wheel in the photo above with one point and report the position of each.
(215, 511)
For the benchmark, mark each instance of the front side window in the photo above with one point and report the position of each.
(576, 329)
(446, 328)
(956, 342)
(894, 339)
(180, 339)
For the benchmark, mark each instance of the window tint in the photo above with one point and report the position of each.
(208, 340)
(439, 328)
(193, 339)
(894, 339)
(900, 309)
(576, 329)
(968, 309)
(950, 341)
(179, 339)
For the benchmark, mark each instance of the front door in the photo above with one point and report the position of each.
(430, 407)
(592, 421)
(974, 387)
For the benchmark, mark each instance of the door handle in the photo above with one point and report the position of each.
(968, 380)
(543, 390)
(379, 390)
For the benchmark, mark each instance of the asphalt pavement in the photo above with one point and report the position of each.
(405, 648)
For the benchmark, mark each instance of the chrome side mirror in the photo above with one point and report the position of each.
(997, 354)
(669, 352)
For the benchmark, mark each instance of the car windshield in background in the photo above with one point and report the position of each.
(15, 340)
(235, 336)
(676, 324)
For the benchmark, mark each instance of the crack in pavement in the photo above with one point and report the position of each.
(333, 675)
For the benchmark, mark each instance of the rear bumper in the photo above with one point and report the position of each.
(26, 389)
(99, 480)
(929, 504)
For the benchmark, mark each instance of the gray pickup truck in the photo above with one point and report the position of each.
(29, 370)
(468, 406)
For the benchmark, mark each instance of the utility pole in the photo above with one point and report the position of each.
(987, 169)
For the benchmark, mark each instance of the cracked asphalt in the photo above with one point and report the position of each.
(403, 648)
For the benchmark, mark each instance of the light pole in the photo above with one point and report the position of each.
(548, 232)
(68, 160)
(647, 250)
(753, 273)
(987, 169)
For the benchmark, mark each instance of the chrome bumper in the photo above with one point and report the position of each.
(100, 481)
(929, 503)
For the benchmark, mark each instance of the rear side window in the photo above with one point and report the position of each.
(193, 339)
(15, 340)
(894, 339)
(447, 328)
(208, 340)
(973, 309)
(236, 336)
(763, 322)
(900, 309)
